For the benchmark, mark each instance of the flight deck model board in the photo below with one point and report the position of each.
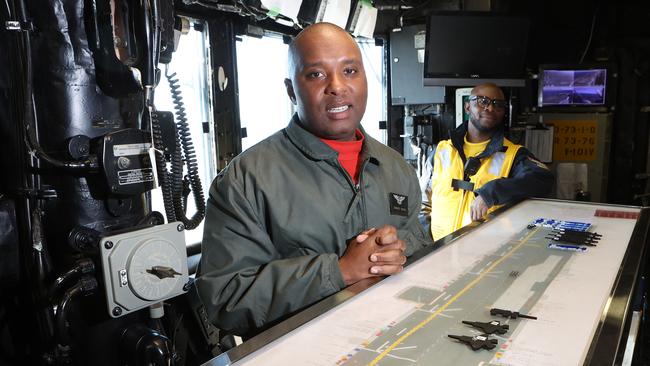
(509, 262)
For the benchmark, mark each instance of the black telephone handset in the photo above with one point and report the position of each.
(146, 25)
(125, 38)
(114, 77)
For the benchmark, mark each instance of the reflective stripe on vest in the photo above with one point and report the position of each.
(496, 163)
(450, 210)
(445, 159)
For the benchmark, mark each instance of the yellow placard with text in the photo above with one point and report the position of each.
(574, 140)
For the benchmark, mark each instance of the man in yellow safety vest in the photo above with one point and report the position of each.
(478, 169)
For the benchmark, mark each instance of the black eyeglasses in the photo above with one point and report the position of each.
(484, 102)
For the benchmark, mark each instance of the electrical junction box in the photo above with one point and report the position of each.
(143, 267)
(126, 162)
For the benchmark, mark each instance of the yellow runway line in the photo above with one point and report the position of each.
(454, 298)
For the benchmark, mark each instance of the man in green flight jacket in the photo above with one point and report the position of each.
(316, 207)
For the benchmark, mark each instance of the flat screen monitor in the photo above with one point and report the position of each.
(468, 49)
(572, 87)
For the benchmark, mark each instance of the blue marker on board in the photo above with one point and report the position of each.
(572, 248)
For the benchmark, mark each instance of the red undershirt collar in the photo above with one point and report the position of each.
(349, 152)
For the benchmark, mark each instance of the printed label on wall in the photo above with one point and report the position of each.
(134, 176)
(131, 149)
(574, 140)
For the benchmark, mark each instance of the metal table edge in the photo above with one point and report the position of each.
(321, 307)
(605, 345)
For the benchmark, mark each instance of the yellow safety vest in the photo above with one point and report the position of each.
(450, 210)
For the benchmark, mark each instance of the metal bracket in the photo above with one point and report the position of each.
(43, 193)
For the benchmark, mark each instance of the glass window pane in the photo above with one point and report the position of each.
(190, 62)
(373, 63)
(263, 102)
(264, 106)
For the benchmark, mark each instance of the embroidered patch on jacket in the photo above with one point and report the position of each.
(399, 204)
(538, 163)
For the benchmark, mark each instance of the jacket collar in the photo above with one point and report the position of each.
(316, 149)
(458, 140)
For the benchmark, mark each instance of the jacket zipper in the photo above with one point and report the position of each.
(356, 188)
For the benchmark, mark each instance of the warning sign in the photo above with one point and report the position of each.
(574, 140)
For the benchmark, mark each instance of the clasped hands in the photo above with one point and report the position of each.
(374, 252)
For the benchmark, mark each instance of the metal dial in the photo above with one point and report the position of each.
(147, 255)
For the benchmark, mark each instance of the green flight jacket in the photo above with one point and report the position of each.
(279, 217)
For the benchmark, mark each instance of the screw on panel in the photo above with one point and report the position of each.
(123, 162)
(108, 245)
(117, 311)
(180, 227)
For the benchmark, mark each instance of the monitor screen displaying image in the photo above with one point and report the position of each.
(572, 87)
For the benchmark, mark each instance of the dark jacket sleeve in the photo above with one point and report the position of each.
(244, 282)
(528, 178)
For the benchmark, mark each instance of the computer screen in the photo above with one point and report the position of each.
(577, 87)
(466, 49)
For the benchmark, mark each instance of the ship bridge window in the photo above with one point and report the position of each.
(263, 102)
(191, 63)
